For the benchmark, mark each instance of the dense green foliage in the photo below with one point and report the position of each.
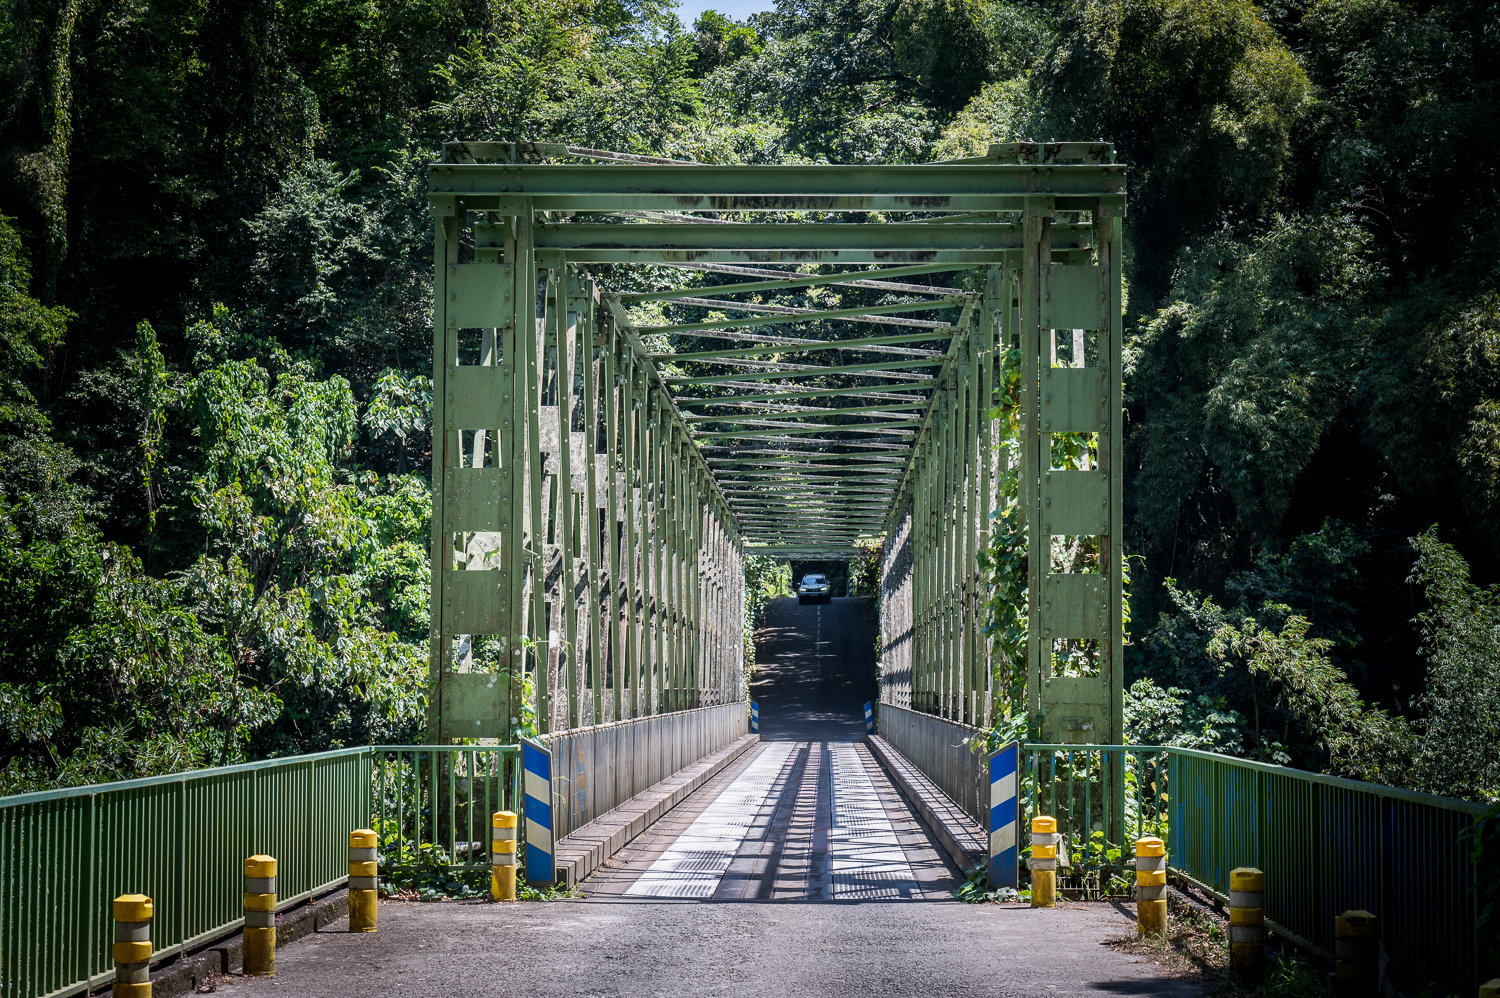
(214, 341)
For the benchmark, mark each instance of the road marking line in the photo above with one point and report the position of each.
(693, 865)
(868, 861)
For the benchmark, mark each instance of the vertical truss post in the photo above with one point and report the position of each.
(567, 338)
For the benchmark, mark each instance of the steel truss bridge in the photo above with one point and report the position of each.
(612, 448)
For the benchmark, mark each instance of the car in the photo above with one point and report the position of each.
(814, 589)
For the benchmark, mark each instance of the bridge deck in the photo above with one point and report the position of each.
(791, 819)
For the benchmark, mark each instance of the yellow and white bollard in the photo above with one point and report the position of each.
(1247, 920)
(503, 856)
(1356, 952)
(1490, 989)
(260, 916)
(1043, 861)
(364, 880)
(132, 949)
(1151, 886)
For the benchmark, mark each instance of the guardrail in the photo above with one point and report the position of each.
(431, 804)
(1326, 845)
(598, 768)
(182, 840)
(942, 750)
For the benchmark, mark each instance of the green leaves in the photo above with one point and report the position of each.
(1238, 378)
(1458, 743)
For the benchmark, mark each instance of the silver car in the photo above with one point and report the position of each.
(814, 589)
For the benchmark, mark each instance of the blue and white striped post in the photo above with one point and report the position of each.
(537, 762)
(754, 718)
(1005, 816)
(869, 718)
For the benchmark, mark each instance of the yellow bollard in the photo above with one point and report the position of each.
(1490, 989)
(364, 880)
(1247, 921)
(1356, 951)
(503, 856)
(1151, 886)
(1043, 861)
(260, 916)
(132, 950)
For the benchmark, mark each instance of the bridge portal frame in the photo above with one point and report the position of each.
(511, 254)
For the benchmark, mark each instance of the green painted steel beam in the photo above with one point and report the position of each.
(810, 393)
(810, 411)
(774, 457)
(792, 281)
(782, 471)
(925, 187)
(849, 344)
(821, 428)
(838, 313)
(581, 237)
(870, 370)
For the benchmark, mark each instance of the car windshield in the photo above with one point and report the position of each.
(813, 580)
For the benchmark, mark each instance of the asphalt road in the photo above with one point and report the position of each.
(801, 949)
(815, 669)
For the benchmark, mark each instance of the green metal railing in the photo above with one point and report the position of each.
(432, 804)
(1326, 845)
(182, 840)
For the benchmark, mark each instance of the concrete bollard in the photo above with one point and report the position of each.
(1356, 951)
(1151, 886)
(1247, 921)
(132, 949)
(364, 880)
(1043, 861)
(503, 856)
(260, 916)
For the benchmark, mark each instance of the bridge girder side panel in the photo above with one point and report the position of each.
(1070, 339)
(575, 559)
(657, 625)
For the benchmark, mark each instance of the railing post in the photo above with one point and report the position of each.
(364, 880)
(259, 946)
(132, 949)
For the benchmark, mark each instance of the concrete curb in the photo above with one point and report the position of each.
(184, 974)
(587, 849)
(962, 839)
